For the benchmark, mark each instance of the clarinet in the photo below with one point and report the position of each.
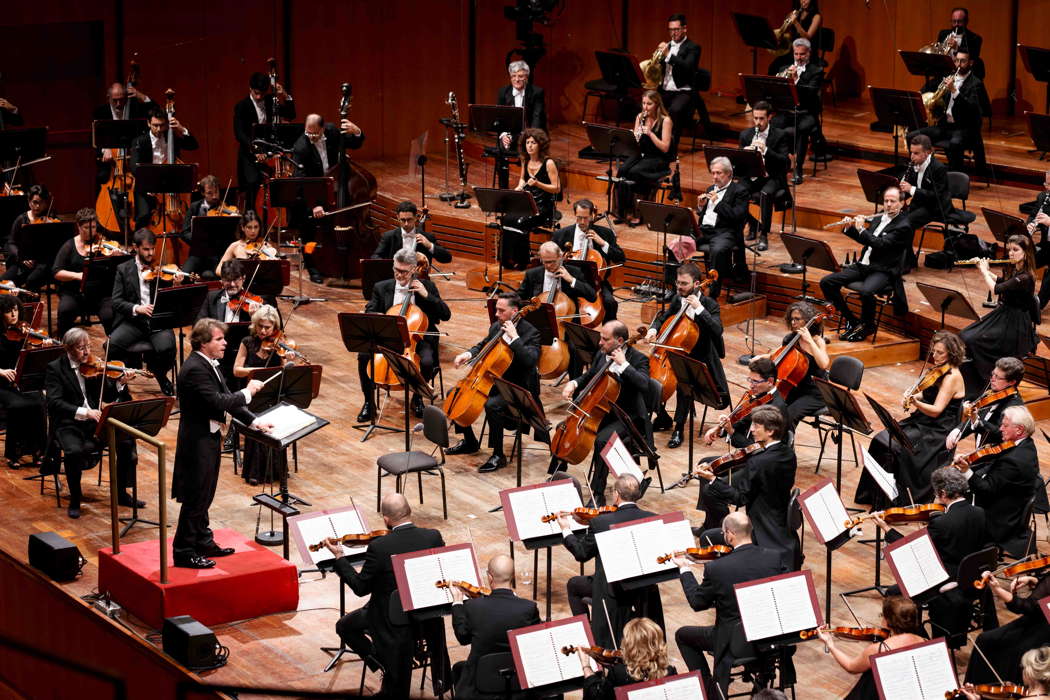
(461, 162)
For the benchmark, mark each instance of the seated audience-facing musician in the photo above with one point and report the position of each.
(410, 234)
(539, 177)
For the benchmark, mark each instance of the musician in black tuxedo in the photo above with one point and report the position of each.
(259, 107)
(963, 39)
(705, 313)
(808, 77)
(886, 242)
(1039, 222)
(540, 279)
(523, 339)
(73, 406)
(409, 235)
(212, 197)
(153, 148)
(775, 146)
(121, 103)
(631, 368)
(133, 300)
(984, 426)
(585, 233)
(390, 293)
(722, 211)
(1004, 484)
(204, 400)
(925, 184)
(724, 640)
(762, 380)
(681, 59)
(519, 93)
(622, 604)
(483, 622)
(964, 105)
(369, 631)
(9, 114)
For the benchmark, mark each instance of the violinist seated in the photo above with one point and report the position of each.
(886, 241)
(410, 235)
(586, 235)
(987, 411)
(643, 650)
(762, 380)
(775, 146)
(724, 640)
(153, 148)
(723, 210)
(26, 426)
(551, 273)
(703, 312)
(483, 622)
(1006, 647)
(762, 485)
(134, 295)
(391, 294)
(121, 103)
(622, 604)
(210, 204)
(74, 409)
(902, 618)
(1005, 482)
(249, 245)
(68, 270)
(524, 341)
(26, 272)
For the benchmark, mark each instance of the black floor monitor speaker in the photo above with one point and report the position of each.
(189, 642)
(54, 555)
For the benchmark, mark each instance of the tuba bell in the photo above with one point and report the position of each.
(653, 70)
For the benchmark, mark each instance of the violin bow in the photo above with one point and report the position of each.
(612, 633)
(222, 204)
(102, 386)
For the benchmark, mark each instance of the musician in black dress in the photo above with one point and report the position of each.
(805, 399)
(1009, 329)
(259, 107)
(586, 234)
(23, 271)
(410, 234)
(1005, 646)
(643, 651)
(539, 177)
(249, 244)
(803, 22)
(519, 93)
(24, 440)
(653, 131)
(987, 410)
(68, 271)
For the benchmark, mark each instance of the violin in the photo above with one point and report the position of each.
(224, 210)
(679, 333)
(791, 363)
(986, 399)
(283, 346)
(863, 634)
(991, 690)
(990, 451)
(44, 220)
(581, 515)
(105, 248)
(554, 358)
(748, 403)
(698, 553)
(381, 372)
(8, 287)
(1025, 567)
(726, 462)
(468, 588)
(258, 250)
(168, 273)
(246, 302)
(113, 369)
(25, 332)
(354, 539)
(605, 657)
(925, 382)
(904, 514)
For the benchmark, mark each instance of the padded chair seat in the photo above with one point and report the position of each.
(397, 463)
(141, 346)
(961, 217)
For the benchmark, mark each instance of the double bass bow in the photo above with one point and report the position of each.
(677, 333)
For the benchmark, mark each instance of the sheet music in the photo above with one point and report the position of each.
(423, 572)
(1044, 605)
(688, 688)
(528, 508)
(315, 529)
(826, 512)
(541, 656)
(776, 607)
(886, 481)
(915, 673)
(631, 551)
(916, 564)
(619, 459)
(287, 419)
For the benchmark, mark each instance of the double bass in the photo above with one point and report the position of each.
(171, 207)
(681, 333)
(114, 193)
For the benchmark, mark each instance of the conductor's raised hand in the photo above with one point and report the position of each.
(254, 385)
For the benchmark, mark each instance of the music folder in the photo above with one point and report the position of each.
(630, 550)
(620, 459)
(537, 651)
(824, 511)
(525, 506)
(312, 528)
(777, 606)
(684, 686)
(418, 572)
(921, 671)
(915, 564)
(1044, 605)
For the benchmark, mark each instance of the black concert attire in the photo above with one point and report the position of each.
(741, 436)
(538, 281)
(129, 291)
(722, 220)
(1008, 330)
(247, 113)
(216, 306)
(602, 686)
(930, 200)
(571, 239)
(963, 117)
(1003, 485)
(986, 421)
(147, 149)
(514, 241)
(790, 34)
(645, 170)
(203, 266)
(805, 399)
(725, 639)
(808, 83)
(531, 99)
(623, 605)
(969, 42)
(927, 434)
(1042, 248)
(132, 109)
(31, 278)
(1004, 646)
(778, 162)
(882, 261)
(370, 632)
(395, 239)
(677, 90)
(258, 462)
(26, 424)
(483, 623)
(74, 303)
(10, 117)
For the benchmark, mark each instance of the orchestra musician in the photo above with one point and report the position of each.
(133, 299)
(27, 273)
(550, 272)
(681, 58)
(249, 244)
(539, 177)
(984, 426)
(523, 339)
(1006, 647)
(775, 146)
(808, 77)
(805, 21)
(963, 39)
(68, 270)
(1005, 483)
(587, 234)
(368, 631)
(217, 303)
(519, 93)
(411, 236)
(211, 199)
(483, 622)
(611, 604)
(925, 184)
(1039, 220)
(806, 399)
(121, 103)
(722, 210)
(74, 406)
(724, 640)
(886, 241)
(257, 108)
(643, 652)
(965, 103)
(391, 293)
(24, 441)
(762, 378)
(153, 148)
(9, 114)
(653, 131)
(709, 348)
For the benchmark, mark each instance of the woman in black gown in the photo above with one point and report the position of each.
(1004, 646)
(805, 399)
(1009, 329)
(936, 414)
(539, 176)
(652, 129)
(901, 617)
(26, 426)
(644, 655)
(28, 273)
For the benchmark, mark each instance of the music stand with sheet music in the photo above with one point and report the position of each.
(874, 184)
(666, 219)
(177, 307)
(948, 301)
(366, 333)
(1037, 62)
(633, 438)
(895, 108)
(695, 383)
(31, 366)
(807, 252)
(782, 591)
(210, 236)
(584, 341)
(43, 246)
(811, 501)
(299, 386)
(525, 411)
(503, 203)
(755, 32)
(373, 271)
(162, 179)
(846, 412)
(117, 135)
(613, 144)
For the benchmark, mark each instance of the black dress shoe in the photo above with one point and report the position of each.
(662, 422)
(751, 235)
(128, 502)
(763, 243)
(315, 275)
(417, 406)
(860, 333)
(73, 511)
(676, 439)
(217, 551)
(194, 561)
(166, 387)
(494, 462)
(847, 328)
(797, 180)
(463, 447)
(365, 414)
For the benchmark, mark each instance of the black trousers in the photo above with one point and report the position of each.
(766, 187)
(159, 360)
(694, 642)
(720, 255)
(72, 306)
(26, 425)
(79, 447)
(577, 588)
(193, 533)
(28, 278)
(680, 105)
(958, 138)
(873, 281)
(427, 367)
(609, 302)
(801, 131)
(498, 422)
(599, 469)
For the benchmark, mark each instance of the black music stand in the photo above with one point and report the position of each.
(366, 333)
(846, 412)
(210, 236)
(695, 384)
(895, 108)
(177, 307)
(266, 277)
(298, 386)
(545, 319)
(306, 192)
(874, 184)
(1003, 225)
(806, 252)
(621, 76)
(494, 119)
(522, 408)
(583, 340)
(1039, 131)
(373, 271)
(99, 273)
(22, 148)
(1037, 62)
(756, 34)
(746, 163)
(611, 143)
(948, 301)
(666, 219)
(166, 178)
(117, 135)
(31, 366)
(504, 203)
(633, 438)
(413, 382)
(43, 246)
(927, 65)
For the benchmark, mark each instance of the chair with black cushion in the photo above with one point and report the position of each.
(652, 403)
(422, 655)
(845, 371)
(795, 522)
(496, 674)
(958, 220)
(402, 464)
(983, 608)
(767, 666)
(701, 84)
(1022, 546)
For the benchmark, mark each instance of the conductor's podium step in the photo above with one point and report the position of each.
(888, 349)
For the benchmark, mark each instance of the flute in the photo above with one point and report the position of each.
(849, 219)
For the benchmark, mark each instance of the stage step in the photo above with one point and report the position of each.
(889, 349)
(732, 314)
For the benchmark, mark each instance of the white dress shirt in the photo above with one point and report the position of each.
(669, 84)
(876, 233)
(920, 171)
(144, 285)
(400, 293)
(710, 217)
(408, 240)
(322, 150)
(260, 109)
(519, 97)
(84, 407)
(580, 241)
(959, 80)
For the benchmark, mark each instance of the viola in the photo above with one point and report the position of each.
(904, 514)
(113, 369)
(468, 588)
(554, 358)
(245, 302)
(791, 363)
(224, 210)
(1025, 567)
(698, 553)
(354, 539)
(748, 403)
(986, 399)
(991, 690)
(25, 332)
(105, 248)
(283, 346)
(8, 287)
(380, 371)
(990, 451)
(728, 461)
(925, 382)
(169, 273)
(581, 515)
(680, 333)
(605, 657)
(863, 634)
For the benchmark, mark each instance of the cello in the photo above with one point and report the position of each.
(113, 195)
(417, 323)
(592, 313)
(680, 333)
(791, 363)
(554, 358)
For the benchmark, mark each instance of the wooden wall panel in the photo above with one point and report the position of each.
(1033, 18)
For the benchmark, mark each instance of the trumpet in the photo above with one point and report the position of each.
(849, 219)
(786, 73)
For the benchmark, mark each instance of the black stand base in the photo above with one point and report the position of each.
(447, 197)
(270, 538)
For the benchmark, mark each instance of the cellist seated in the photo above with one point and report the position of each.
(538, 280)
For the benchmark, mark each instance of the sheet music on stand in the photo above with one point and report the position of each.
(684, 686)
(886, 481)
(630, 550)
(525, 506)
(287, 419)
(311, 528)
(824, 511)
(537, 651)
(921, 671)
(779, 605)
(915, 564)
(418, 572)
(620, 459)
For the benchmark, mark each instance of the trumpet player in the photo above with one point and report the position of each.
(962, 104)
(808, 78)
(960, 38)
(681, 58)
(774, 144)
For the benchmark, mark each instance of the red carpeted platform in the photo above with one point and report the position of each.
(252, 581)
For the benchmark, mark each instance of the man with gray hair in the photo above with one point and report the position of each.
(722, 210)
(808, 78)
(520, 93)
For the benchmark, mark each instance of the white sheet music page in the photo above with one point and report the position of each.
(423, 572)
(918, 672)
(915, 564)
(827, 515)
(677, 536)
(626, 551)
(620, 459)
(528, 507)
(780, 606)
(287, 419)
(886, 481)
(314, 529)
(541, 657)
(687, 687)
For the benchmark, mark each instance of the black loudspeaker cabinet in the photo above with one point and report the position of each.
(54, 555)
(189, 642)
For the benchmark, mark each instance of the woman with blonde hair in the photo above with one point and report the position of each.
(259, 464)
(644, 658)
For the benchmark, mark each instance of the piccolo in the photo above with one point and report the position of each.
(848, 219)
